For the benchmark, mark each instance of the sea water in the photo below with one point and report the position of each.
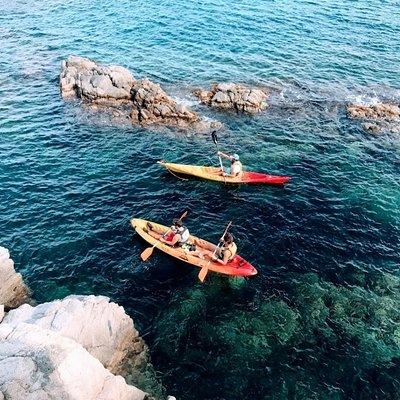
(321, 319)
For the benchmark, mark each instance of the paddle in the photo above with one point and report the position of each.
(215, 140)
(146, 253)
(204, 270)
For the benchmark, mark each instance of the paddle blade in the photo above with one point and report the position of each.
(214, 137)
(146, 253)
(203, 274)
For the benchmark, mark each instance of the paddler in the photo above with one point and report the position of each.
(236, 165)
(177, 236)
(227, 251)
(224, 253)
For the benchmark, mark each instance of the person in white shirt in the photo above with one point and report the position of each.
(236, 166)
(177, 236)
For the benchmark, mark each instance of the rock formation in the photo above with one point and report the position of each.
(38, 364)
(153, 105)
(142, 101)
(380, 116)
(233, 96)
(13, 291)
(83, 78)
(68, 349)
(379, 111)
(101, 327)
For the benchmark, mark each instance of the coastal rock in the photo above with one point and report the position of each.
(153, 105)
(372, 128)
(39, 364)
(13, 291)
(233, 96)
(381, 117)
(379, 111)
(85, 79)
(101, 327)
(142, 102)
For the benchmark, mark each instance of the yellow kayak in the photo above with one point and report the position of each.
(236, 267)
(214, 174)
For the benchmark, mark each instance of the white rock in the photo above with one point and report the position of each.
(101, 327)
(1, 312)
(13, 291)
(38, 364)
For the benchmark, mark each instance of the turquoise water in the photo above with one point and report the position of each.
(321, 320)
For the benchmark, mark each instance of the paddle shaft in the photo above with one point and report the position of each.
(215, 140)
(222, 238)
(220, 159)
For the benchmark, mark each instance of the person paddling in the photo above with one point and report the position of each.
(224, 253)
(227, 251)
(236, 166)
(176, 237)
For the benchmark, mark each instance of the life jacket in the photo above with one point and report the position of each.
(183, 231)
(231, 248)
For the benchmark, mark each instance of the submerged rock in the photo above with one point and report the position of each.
(233, 96)
(379, 111)
(13, 291)
(39, 364)
(372, 128)
(381, 116)
(141, 101)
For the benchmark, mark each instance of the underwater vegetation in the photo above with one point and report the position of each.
(322, 341)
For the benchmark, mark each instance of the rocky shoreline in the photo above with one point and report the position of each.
(78, 348)
(143, 102)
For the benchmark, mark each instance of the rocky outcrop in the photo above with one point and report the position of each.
(39, 364)
(379, 111)
(101, 327)
(13, 291)
(85, 79)
(153, 105)
(380, 116)
(233, 96)
(141, 101)
(63, 336)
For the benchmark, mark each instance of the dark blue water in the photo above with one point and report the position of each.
(321, 320)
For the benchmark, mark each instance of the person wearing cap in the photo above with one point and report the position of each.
(236, 165)
(177, 236)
